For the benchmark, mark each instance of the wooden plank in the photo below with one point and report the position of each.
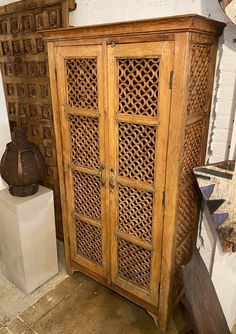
(200, 293)
(174, 152)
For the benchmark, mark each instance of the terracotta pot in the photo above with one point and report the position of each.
(22, 166)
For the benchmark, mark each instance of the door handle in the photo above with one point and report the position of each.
(101, 175)
(112, 180)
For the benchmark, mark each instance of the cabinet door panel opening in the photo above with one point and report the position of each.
(82, 116)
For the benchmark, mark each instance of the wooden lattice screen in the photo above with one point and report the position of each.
(24, 65)
(197, 115)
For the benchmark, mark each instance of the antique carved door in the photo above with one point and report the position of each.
(139, 101)
(114, 111)
(81, 108)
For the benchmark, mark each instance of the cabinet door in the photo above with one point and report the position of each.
(81, 109)
(139, 103)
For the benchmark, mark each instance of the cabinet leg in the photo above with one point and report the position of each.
(154, 317)
(69, 269)
(161, 327)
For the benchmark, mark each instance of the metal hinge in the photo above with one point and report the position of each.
(164, 198)
(111, 43)
(171, 79)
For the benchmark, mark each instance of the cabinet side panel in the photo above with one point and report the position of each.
(203, 54)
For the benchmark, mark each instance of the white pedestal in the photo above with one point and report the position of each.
(28, 238)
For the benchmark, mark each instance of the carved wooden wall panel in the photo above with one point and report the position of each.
(24, 65)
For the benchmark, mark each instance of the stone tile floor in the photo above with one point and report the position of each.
(79, 305)
(76, 305)
(13, 301)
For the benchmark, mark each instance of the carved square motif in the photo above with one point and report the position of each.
(13, 125)
(33, 110)
(15, 26)
(27, 24)
(16, 47)
(27, 45)
(9, 71)
(40, 45)
(18, 69)
(32, 90)
(47, 133)
(3, 27)
(49, 171)
(23, 110)
(42, 69)
(53, 19)
(10, 90)
(20, 90)
(6, 48)
(34, 130)
(39, 21)
(46, 112)
(48, 152)
(11, 108)
(32, 69)
(44, 91)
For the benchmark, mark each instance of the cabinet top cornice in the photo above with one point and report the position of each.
(174, 24)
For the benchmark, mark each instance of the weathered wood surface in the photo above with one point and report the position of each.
(203, 303)
(131, 124)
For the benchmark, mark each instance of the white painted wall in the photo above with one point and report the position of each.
(101, 11)
(221, 134)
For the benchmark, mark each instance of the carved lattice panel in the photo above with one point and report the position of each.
(186, 219)
(134, 264)
(192, 148)
(85, 140)
(137, 151)
(135, 212)
(24, 64)
(87, 194)
(138, 86)
(186, 224)
(82, 91)
(199, 76)
(89, 241)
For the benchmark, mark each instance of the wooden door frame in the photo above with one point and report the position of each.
(162, 49)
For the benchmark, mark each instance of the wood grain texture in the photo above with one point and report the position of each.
(200, 293)
(156, 90)
(24, 63)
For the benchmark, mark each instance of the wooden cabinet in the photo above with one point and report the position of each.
(131, 106)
